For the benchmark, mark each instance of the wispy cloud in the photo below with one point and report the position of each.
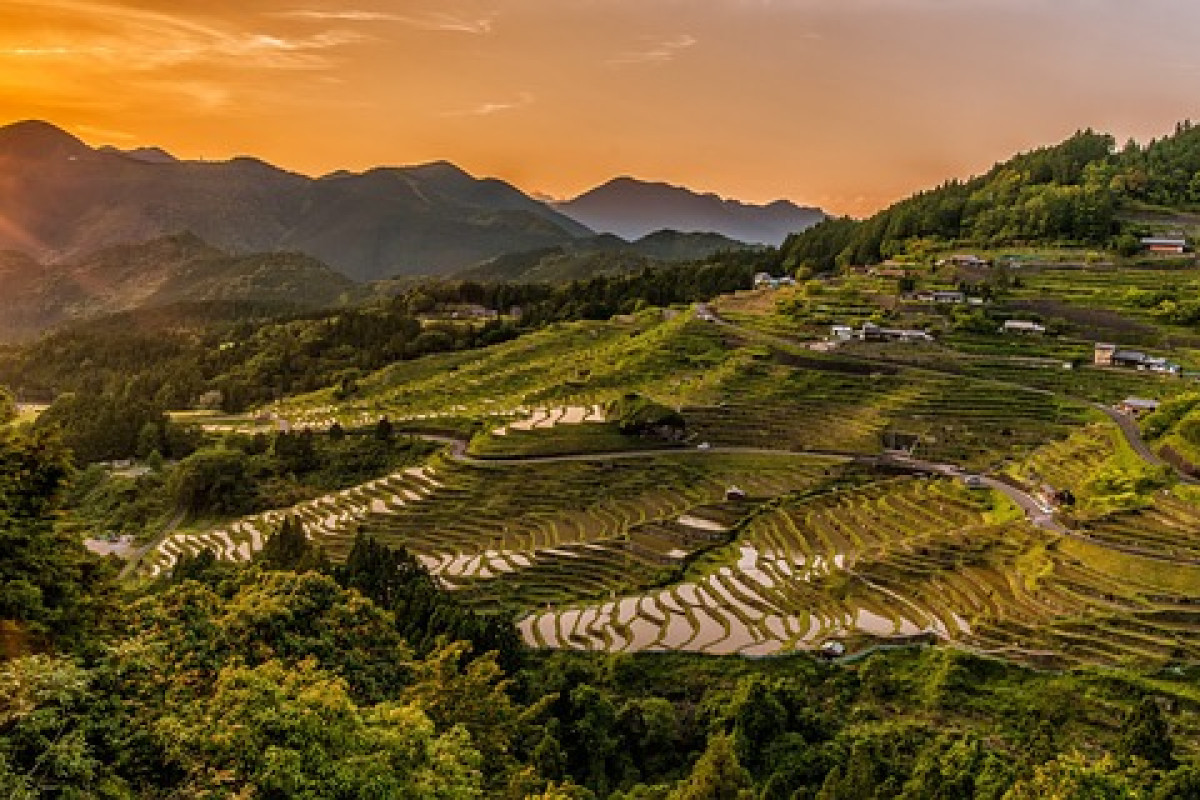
(656, 51)
(119, 37)
(486, 109)
(431, 21)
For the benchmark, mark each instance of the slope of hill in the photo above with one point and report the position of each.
(601, 255)
(1082, 191)
(171, 269)
(61, 198)
(632, 209)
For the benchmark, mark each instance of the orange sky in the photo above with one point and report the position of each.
(847, 104)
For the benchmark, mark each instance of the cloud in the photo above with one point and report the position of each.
(120, 38)
(431, 21)
(489, 108)
(656, 52)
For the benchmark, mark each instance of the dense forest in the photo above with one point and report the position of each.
(289, 677)
(1071, 193)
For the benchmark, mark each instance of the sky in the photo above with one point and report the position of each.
(845, 104)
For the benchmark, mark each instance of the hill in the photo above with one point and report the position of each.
(632, 208)
(160, 272)
(62, 199)
(1082, 191)
(602, 255)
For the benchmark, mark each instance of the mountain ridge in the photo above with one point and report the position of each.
(633, 208)
(63, 199)
(177, 268)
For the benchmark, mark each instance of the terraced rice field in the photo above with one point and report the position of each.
(333, 515)
(898, 559)
(767, 404)
(628, 551)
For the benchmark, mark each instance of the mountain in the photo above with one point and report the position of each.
(600, 255)
(60, 199)
(631, 208)
(1083, 191)
(173, 269)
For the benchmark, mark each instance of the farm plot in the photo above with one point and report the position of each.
(842, 407)
(334, 515)
(527, 535)
(564, 366)
(893, 560)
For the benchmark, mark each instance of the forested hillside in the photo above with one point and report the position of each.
(290, 677)
(112, 376)
(1071, 193)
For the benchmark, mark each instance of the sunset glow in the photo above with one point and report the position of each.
(846, 104)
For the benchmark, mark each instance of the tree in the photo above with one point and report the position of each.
(717, 775)
(279, 731)
(44, 571)
(211, 481)
(1073, 777)
(1146, 735)
(289, 549)
(1182, 784)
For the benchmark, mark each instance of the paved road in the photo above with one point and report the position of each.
(1133, 435)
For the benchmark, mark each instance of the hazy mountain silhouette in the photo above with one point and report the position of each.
(173, 269)
(633, 209)
(60, 198)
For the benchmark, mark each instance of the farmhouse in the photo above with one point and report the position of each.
(955, 298)
(1110, 355)
(870, 332)
(1023, 326)
(964, 260)
(765, 280)
(1137, 406)
(1166, 245)
(944, 297)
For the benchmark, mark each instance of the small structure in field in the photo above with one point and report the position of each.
(765, 280)
(1165, 245)
(832, 648)
(1023, 326)
(871, 332)
(1137, 406)
(735, 493)
(1110, 355)
(964, 260)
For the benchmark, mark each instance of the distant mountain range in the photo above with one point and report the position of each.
(60, 199)
(631, 209)
(161, 272)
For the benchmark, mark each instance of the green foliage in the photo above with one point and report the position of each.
(1066, 193)
(717, 775)
(44, 571)
(295, 731)
(1145, 735)
(213, 480)
(1074, 777)
(639, 416)
(289, 549)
